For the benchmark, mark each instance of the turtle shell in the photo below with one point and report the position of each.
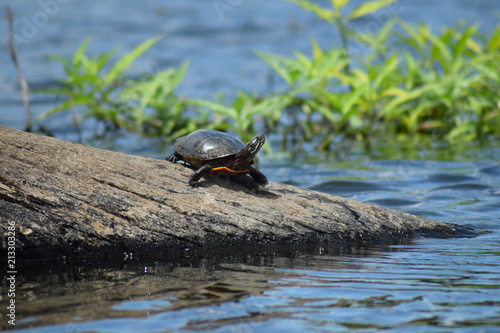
(205, 145)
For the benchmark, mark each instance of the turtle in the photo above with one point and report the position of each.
(208, 150)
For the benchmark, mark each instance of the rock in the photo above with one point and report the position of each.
(67, 199)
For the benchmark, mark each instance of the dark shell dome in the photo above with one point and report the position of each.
(208, 144)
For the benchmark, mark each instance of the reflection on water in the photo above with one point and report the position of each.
(408, 286)
(94, 289)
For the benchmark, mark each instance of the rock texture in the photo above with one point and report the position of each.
(68, 199)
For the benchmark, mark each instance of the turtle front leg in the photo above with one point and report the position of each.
(206, 168)
(173, 158)
(176, 158)
(258, 176)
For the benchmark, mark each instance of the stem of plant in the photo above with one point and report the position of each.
(20, 77)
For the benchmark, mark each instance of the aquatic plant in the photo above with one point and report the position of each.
(87, 91)
(444, 84)
(98, 89)
(245, 112)
(407, 82)
(154, 107)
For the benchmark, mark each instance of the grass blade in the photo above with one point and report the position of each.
(320, 12)
(276, 62)
(368, 8)
(339, 4)
(126, 60)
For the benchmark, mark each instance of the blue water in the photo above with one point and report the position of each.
(422, 285)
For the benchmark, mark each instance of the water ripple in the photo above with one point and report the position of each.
(394, 202)
(464, 187)
(492, 171)
(347, 187)
(450, 178)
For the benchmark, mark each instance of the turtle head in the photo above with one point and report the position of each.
(248, 152)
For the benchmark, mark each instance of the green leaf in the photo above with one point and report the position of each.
(273, 106)
(324, 110)
(405, 97)
(412, 71)
(386, 31)
(459, 48)
(332, 60)
(239, 102)
(320, 12)
(65, 106)
(416, 39)
(179, 75)
(352, 99)
(368, 8)
(440, 50)
(103, 59)
(126, 60)
(494, 41)
(394, 91)
(389, 67)
(462, 132)
(80, 52)
(57, 58)
(361, 76)
(304, 62)
(316, 49)
(216, 107)
(276, 62)
(339, 4)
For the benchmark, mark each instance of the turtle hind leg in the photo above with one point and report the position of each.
(258, 176)
(193, 180)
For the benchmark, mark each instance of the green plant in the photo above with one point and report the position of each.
(155, 109)
(444, 88)
(88, 91)
(444, 85)
(405, 85)
(326, 87)
(245, 111)
(308, 79)
(340, 20)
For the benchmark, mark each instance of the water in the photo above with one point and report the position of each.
(422, 285)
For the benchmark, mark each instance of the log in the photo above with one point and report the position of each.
(66, 199)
